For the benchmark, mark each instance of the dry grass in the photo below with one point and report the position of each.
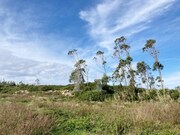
(156, 112)
(20, 120)
(132, 117)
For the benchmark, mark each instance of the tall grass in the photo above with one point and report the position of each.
(156, 113)
(49, 114)
(20, 120)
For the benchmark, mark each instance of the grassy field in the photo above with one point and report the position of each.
(51, 113)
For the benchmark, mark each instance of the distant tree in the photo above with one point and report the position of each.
(124, 48)
(177, 88)
(21, 83)
(150, 47)
(4, 81)
(143, 71)
(77, 75)
(74, 54)
(80, 71)
(37, 81)
(120, 72)
(151, 81)
(104, 80)
(8, 83)
(12, 83)
(100, 54)
(86, 73)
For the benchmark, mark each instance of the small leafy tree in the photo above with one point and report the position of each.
(143, 71)
(177, 88)
(77, 75)
(86, 73)
(100, 54)
(151, 81)
(124, 48)
(120, 72)
(150, 47)
(37, 81)
(74, 54)
(104, 80)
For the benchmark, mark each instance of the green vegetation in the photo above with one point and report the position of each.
(49, 110)
(94, 108)
(124, 73)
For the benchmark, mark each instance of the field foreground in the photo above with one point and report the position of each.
(52, 114)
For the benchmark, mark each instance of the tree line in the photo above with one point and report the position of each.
(124, 72)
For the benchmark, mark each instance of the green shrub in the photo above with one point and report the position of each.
(152, 94)
(162, 92)
(89, 86)
(148, 95)
(33, 88)
(1, 88)
(108, 89)
(47, 88)
(8, 89)
(67, 87)
(139, 90)
(94, 95)
(174, 94)
(72, 123)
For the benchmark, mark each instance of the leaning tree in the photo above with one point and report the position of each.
(100, 54)
(124, 48)
(104, 80)
(157, 66)
(77, 75)
(143, 72)
(120, 72)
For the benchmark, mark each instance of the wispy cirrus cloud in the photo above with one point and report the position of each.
(26, 53)
(33, 44)
(28, 70)
(172, 80)
(110, 19)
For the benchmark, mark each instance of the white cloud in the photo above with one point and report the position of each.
(111, 19)
(26, 54)
(172, 80)
(27, 70)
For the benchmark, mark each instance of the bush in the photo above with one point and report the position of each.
(162, 92)
(67, 87)
(94, 95)
(8, 89)
(89, 86)
(108, 89)
(149, 95)
(33, 88)
(47, 88)
(152, 94)
(139, 90)
(174, 94)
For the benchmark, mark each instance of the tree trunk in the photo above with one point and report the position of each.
(160, 74)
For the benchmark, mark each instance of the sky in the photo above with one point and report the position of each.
(36, 35)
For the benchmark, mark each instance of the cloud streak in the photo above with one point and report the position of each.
(30, 49)
(27, 70)
(172, 80)
(26, 53)
(110, 19)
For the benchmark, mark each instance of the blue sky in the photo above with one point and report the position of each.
(35, 36)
